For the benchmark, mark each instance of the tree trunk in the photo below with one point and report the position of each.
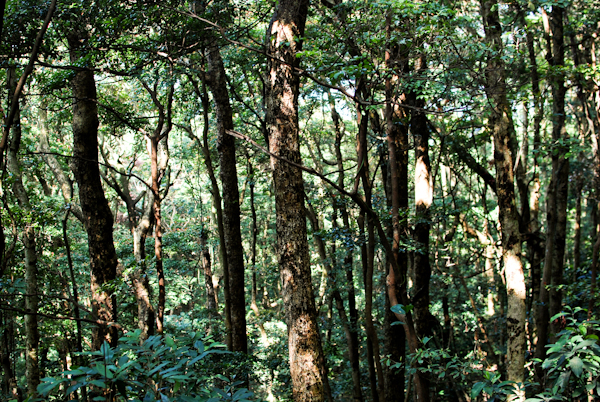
(29, 243)
(423, 201)
(158, 252)
(141, 284)
(397, 198)
(348, 259)
(96, 211)
(234, 251)
(307, 361)
(556, 201)
(211, 297)
(9, 380)
(216, 195)
(559, 131)
(501, 125)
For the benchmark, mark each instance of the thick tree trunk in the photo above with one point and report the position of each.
(231, 208)
(423, 201)
(307, 361)
(502, 128)
(397, 198)
(95, 208)
(32, 338)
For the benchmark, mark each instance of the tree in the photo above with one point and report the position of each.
(97, 214)
(502, 128)
(307, 361)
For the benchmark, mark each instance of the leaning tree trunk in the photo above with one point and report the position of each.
(502, 128)
(96, 211)
(307, 361)
(234, 251)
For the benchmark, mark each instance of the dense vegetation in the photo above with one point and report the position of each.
(375, 200)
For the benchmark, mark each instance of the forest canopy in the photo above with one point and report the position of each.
(342, 200)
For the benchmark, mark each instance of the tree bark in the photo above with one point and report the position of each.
(96, 211)
(141, 284)
(307, 361)
(550, 300)
(397, 198)
(211, 297)
(216, 194)
(423, 201)
(9, 380)
(353, 344)
(501, 125)
(32, 337)
(234, 250)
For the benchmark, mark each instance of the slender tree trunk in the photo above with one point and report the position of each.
(595, 139)
(75, 302)
(29, 243)
(141, 284)
(216, 194)
(502, 127)
(307, 361)
(217, 83)
(559, 131)
(253, 243)
(348, 258)
(158, 252)
(556, 201)
(9, 380)
(63, 179)
(96, 211)
(211, 297)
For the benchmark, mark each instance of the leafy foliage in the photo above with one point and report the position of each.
(157, 369)
(573, 362)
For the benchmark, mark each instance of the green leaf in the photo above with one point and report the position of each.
(47, 385)
(555, 316)
(98, 383)
(398, 309)
(576, 365)
(477, 388)
(104, 370)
